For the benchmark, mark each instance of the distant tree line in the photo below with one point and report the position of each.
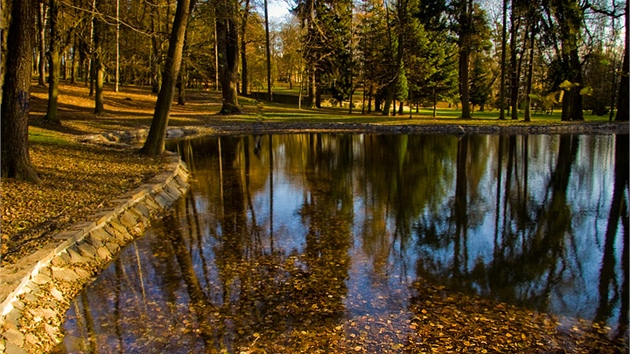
(510, 55)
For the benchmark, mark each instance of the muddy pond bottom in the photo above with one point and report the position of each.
(339, 243)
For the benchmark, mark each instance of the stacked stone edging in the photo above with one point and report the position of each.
(37, 291)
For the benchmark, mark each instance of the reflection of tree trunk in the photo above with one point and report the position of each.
(461, 212)
(271, 191)
(89, 322)
(118, 317)
(498, 208)
(201, 305)
(618, 211)
(625, 287)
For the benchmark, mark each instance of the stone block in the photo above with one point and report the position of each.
(82, 273)
(87, 250)
(12, 318)
(64, 274)
(128, 219)
(56, 294)
(43, 313)
(112, 247)
(41, 279)
(65, 235)
(14, 349)
(76, 257)
(103, 253)
(14, 336)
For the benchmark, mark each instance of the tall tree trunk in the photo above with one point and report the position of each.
(117, 76)
(227, 35)
(312, 88)
(97, 61)
(156, 75)
(622, 111)
(513, 63)
(14, 155)
(154, 144)
(182, 82)
(503, 62)
(41, 23)
(73, 68)
(577, 109)
(530, 74)
(244, 71)
(54, 57)
(268, 53)
(464, 58)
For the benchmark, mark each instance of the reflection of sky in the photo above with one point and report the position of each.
(383, 262)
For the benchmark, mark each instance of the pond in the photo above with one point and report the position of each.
(364, 242)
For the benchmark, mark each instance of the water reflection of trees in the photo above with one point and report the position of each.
(266, 291)
(539, 240)
(514, 218)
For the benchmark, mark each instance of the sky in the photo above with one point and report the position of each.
(278, 9)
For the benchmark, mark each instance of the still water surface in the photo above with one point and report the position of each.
(293, 232)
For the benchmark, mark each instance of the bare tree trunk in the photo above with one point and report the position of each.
(182, 80)
(156, 78)
(227, 33)
(14, 156)
(54, 57)
(312, 88)
(117, 46)
(268, 53)
(41, 23)
(154, 144)
(464, 58)
(97, 63)
(513, 65)
(530, 74)
(244, 71)
(73, 69)
(503, 62)
(622, 103)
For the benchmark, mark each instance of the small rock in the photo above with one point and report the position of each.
(30, 297)
(31, 339)
(64, 274)
(83, 274)
(58, 261)
(43, 313)
(58, 295)
(87, 250)
(52, 332)
(41, 279)
(18, 305)
(14, 349)
(76, 257)
(12, 318)
(14, 336)
(34, 288)
(103, 253)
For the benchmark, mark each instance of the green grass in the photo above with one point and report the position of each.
(46, 137)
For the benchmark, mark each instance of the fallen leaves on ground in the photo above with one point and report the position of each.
(77, 180)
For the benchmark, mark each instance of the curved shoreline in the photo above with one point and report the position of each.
(37, 291)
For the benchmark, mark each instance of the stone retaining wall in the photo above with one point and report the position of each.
(37, 291)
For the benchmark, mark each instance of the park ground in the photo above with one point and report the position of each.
(79, 178)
